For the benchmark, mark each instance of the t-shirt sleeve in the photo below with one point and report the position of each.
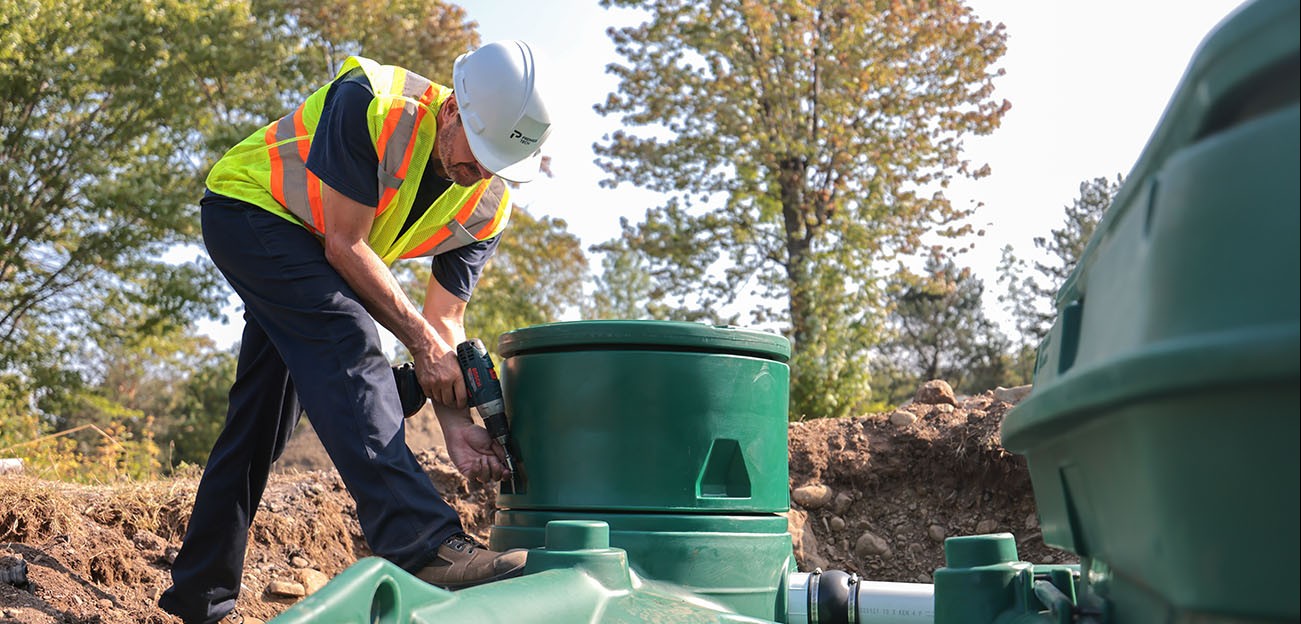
(458, 270)
(342, 154)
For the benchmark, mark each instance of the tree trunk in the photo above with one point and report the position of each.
(799, 238)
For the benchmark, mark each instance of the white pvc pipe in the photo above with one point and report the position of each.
(878, 602)
(895, 603)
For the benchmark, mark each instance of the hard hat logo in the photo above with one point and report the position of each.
(500, 100)
(529, 131)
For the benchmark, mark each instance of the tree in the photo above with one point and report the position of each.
(637, 278)
(110, 114)
(1030, 297)
(939, 331)
(422, 35)
(95, 182)
(803, 143)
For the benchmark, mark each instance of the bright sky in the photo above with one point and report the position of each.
(1088, 82)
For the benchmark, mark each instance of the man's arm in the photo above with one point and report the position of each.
(347, 226)
(472, 450)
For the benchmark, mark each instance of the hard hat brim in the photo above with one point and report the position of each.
(518, 171)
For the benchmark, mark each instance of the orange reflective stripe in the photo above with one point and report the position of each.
(385, 199)
(313, 182)
(397, 140)
(412, 134)
(467, 209)
(277, 167)
(433, 241)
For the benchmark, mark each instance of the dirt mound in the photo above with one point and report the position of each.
(102, 554)
(875, 494)
(878, 494)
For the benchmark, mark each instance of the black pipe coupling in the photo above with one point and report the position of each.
(833, 597)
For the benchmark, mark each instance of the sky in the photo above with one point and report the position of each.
(1088, 82)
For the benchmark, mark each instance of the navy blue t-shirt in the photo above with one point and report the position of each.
(343, 156)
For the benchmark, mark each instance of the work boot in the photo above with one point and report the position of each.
(462, 562)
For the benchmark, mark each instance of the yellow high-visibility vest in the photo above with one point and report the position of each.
(269, 169)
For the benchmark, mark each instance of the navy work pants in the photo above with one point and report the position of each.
(307, 338)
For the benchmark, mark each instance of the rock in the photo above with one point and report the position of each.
(299, 561)
(935, 392)
(944, 408)
(803, 540)
(812, 496)
(169, 555)
(842, 503)
(869, 545)
(105, 604)
(144, 540)
(312, 579)
(903, 418)
(915, 549)
(1012, 395)
(936, 533)
(315, 489)
(286, 588)
(986, 526)
(837, 523)
(1031, 521)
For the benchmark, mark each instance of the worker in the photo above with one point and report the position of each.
(303, 219)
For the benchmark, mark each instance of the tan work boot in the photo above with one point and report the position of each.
(462, 562)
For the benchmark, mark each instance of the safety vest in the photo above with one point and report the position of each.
(268, 169)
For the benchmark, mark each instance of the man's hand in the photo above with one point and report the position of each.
(440, 377)
(474, 453)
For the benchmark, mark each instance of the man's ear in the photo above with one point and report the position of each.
(448, 109)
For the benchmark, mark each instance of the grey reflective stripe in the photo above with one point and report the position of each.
(479, 218)
(395, 146)
(388, 180)
(460, 234)
(294, 179)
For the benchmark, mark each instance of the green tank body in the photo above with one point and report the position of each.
(1161, 434)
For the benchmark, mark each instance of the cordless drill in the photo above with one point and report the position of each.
(481, 384)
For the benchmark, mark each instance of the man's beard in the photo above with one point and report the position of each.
(464, 174)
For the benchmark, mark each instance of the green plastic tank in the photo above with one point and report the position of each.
(574, 577)
(654, 476)
(673, 434)
(1162, 432)
(983, 582)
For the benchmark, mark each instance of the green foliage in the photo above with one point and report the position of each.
(1031, 294)
(94, 180)
(110, 114)
(939, 331)
(196, 408)
(623, 290)
(803, 143)
(422, 35)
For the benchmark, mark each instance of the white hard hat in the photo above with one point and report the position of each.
(501, 107)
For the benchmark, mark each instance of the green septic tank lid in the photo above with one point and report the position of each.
(650, 335)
